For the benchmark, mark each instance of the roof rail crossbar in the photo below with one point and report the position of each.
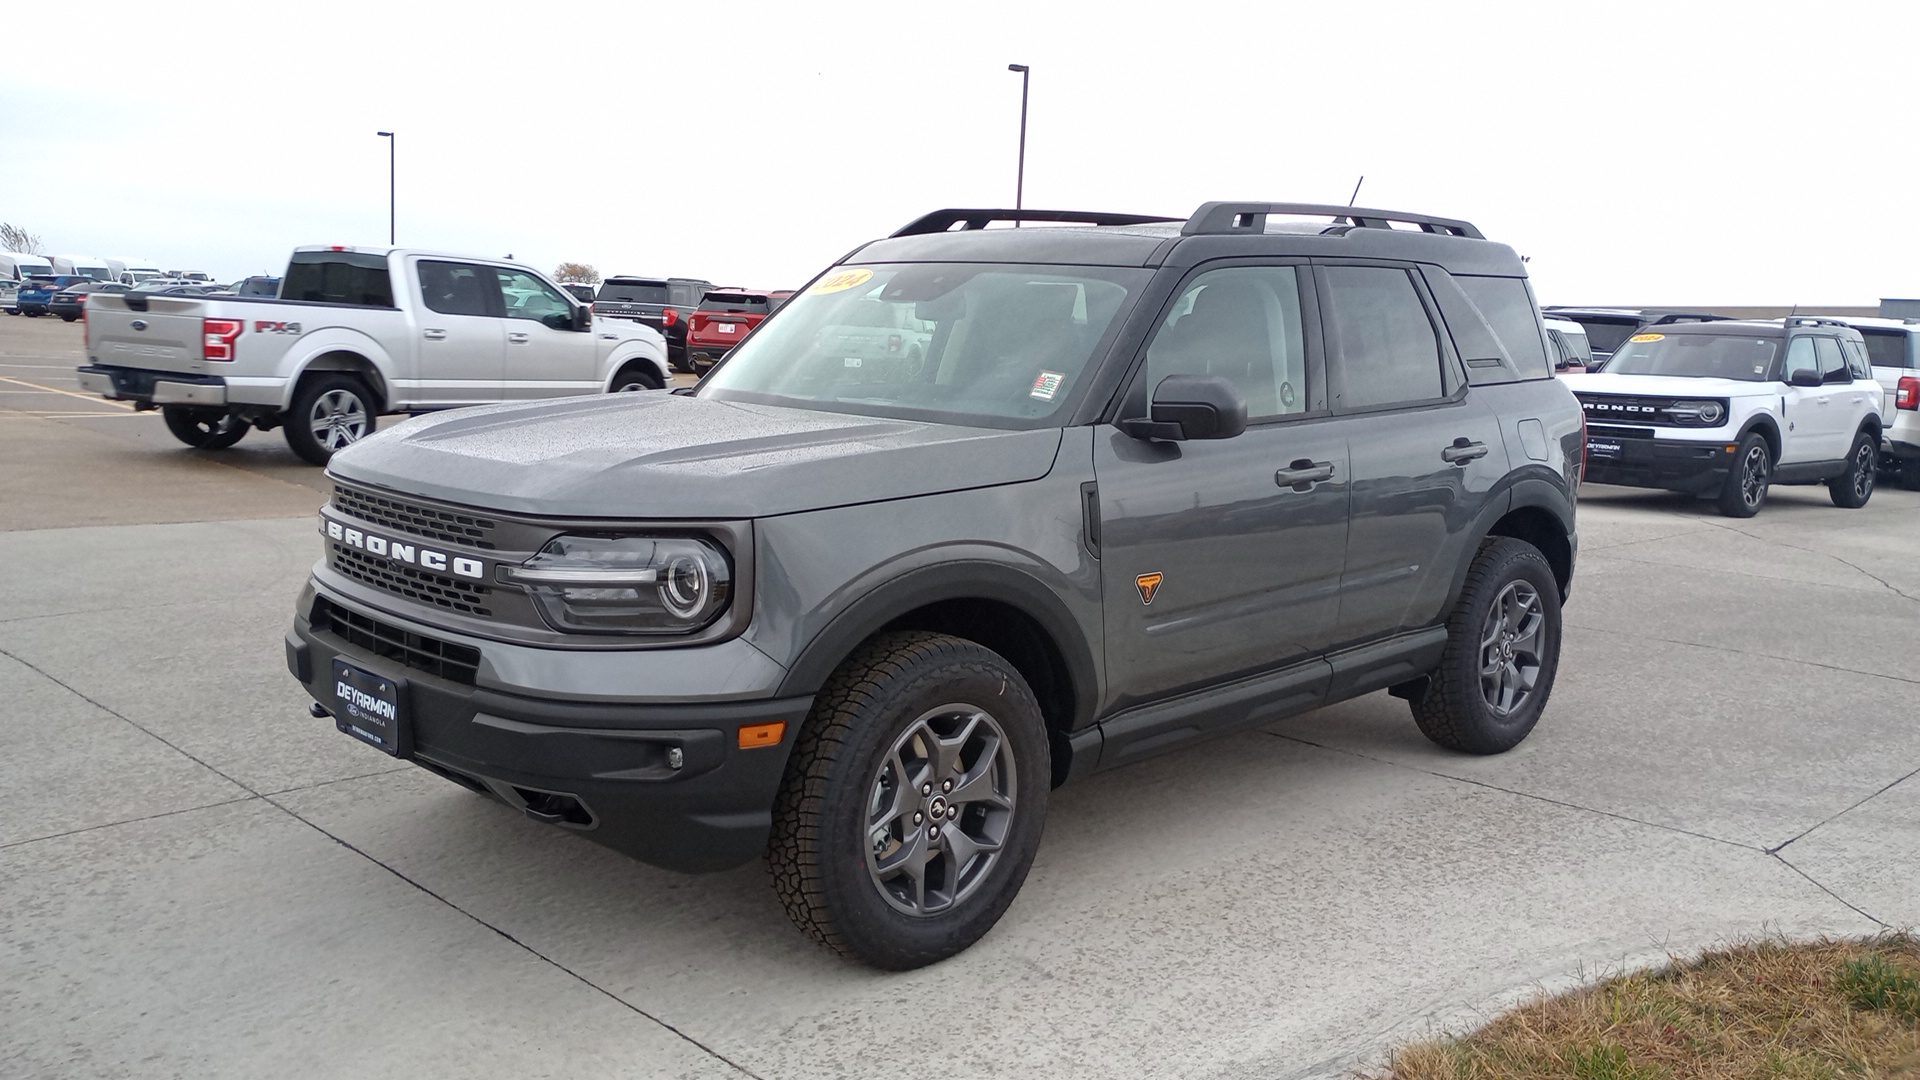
(1672, 317)
(944, 220)
(1811, 320)
(1228, 218)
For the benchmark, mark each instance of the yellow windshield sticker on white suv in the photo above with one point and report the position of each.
(1648, 337)
(841, 281)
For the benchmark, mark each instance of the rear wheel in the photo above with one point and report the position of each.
(1851, 489)
(68, 318)
(913, 802)
(1745, 491)
(329, 414)
(1503, 648)
(203, 429)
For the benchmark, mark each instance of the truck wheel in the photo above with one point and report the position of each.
(329, 413)
(203, 429)
(1503, 647)
(68, 318)
(1745, 491)
(913, 802)
(635, 377)
(1851, 489)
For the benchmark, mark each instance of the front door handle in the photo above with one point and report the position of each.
(1302, 474)
(436, 335)
(517, 339)
(1462, 451)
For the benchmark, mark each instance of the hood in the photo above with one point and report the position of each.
(1606, 382)
(658, 455)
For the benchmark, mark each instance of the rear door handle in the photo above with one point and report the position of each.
(436, 335)
(1462, 451)
(1302, 474)
(517, 339)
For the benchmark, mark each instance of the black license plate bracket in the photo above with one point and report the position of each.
(372, 708)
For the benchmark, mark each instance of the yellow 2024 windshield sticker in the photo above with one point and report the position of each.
(841, 281)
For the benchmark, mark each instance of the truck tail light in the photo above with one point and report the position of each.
(219, 335)
(1907, 396)
(668, 316)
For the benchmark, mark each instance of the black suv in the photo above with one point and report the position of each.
(666, 304)
(860, 605)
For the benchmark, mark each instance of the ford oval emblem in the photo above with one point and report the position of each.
(138, 324)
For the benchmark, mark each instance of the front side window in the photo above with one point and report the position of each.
(1509, 309)
(455, 288)
(1384, 349)
(1800, 357)
(527, 297)
(1833, 365)
(1243, 324)
(1702, 356)
(985, 344)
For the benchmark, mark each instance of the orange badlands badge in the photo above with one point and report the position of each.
(1148, 584)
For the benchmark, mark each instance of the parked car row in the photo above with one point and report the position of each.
(17, 266)
(65, 295)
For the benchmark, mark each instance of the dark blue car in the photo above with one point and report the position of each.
(36, 294)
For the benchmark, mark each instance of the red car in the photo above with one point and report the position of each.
(723, 318)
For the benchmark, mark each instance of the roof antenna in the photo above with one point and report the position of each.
(1356, 189)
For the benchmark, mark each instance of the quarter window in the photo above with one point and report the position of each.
(1243, 324)
(455, 288)
(1385, 350)
(1509, 309)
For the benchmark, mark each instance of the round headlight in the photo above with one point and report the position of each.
(1711, 412)
(684, 586)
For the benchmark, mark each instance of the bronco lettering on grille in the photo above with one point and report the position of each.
(403, 552)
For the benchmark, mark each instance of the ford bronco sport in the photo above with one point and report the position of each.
(1149, 480)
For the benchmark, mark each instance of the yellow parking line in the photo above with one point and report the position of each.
(95, 398)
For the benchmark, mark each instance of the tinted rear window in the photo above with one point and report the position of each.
(634, 292)
(338, 277)
(1887, 348)
(1510, 311)
(1605, 335)
(720, 301)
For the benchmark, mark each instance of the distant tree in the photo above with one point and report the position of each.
(583, 273)
(17, 238)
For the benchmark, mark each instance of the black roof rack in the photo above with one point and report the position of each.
(1227, 218)
(1792, 321)
(944, 220)
(1672, 317)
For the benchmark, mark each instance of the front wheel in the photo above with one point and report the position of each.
(1503, 648)
(203, 429)
(636, 377)
(913, 802)
(1851, 489)
(1745, 491)
(68, 318)
(329, 414)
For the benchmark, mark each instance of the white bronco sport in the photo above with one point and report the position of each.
(1726, 408)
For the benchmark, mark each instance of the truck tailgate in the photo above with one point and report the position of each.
(165, 337)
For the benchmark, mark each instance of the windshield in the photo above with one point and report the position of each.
(973, 343)
(1700, 356)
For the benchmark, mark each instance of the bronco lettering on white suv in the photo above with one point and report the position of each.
(1725, 409)
(1149, 480)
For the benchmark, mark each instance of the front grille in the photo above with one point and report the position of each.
(466, 597)
(446, 526)
(431, 656)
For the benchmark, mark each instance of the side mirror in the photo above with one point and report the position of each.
(1192, 407)
(1804, 377)
(582, 317)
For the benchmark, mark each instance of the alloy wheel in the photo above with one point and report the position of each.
(1753, 476)
(339, 419)
(1863, 466)
(1510, 648)
(941, 804)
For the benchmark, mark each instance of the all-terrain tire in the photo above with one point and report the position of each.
(828, 849)
(1745, 490)
(1851, 489)
(321, 401)
(1459, 709)
(203, 429)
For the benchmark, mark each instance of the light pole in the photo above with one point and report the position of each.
(388, 135)
(1020, 177)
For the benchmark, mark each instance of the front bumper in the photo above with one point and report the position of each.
(1697, 468)
(604, 770)
(153, 387)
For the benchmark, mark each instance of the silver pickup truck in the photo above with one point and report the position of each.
(356, 333)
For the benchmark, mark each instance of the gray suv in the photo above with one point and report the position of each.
(859, 606)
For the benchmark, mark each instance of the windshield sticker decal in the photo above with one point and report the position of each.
(1648, 337)
(841, 281)
(1047, 385)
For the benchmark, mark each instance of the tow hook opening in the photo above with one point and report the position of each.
(554, 808)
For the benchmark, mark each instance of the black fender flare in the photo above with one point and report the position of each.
(1522, 493)
(1766, 421)
(968, 579)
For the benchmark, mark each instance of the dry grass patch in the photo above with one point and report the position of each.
(1829, 1009)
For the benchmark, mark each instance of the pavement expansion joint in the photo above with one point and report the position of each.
(127, 821)
(529, 949)
(1777, 848)
(1815, 882)
(1637, 636)
(1889, 586)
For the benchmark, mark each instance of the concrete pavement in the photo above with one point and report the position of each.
(197, 879)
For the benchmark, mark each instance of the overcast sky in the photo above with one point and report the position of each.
(1671, 152)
